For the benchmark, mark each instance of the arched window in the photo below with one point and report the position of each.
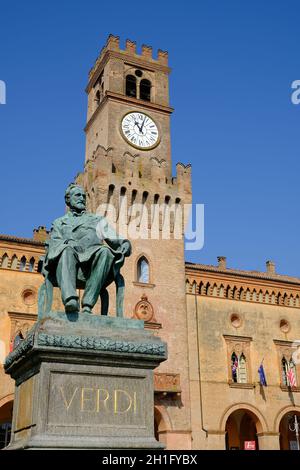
(17, 340)
(289, 376)
(22, 263)
(14, 262)
(238, 368)
(234, 367)
(5, 260)
(145, 90)
(131, 86)
(31, 264)
(293, 377)
(242, 370)
(284, 370)
(143, 270)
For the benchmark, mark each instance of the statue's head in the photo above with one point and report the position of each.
(75, 197)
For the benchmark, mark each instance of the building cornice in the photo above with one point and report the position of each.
(192, 268)
(26, 241)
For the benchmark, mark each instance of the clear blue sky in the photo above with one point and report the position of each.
(233, 63)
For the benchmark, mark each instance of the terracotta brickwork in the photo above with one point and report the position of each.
(117, 173)
(223, 319)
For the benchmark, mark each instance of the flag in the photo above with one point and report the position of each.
(234, 365)
(262, 376)
(291, 378)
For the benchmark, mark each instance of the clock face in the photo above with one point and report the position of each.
(140, 130)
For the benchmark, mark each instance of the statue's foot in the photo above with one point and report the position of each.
(86, 309)
(72, 305)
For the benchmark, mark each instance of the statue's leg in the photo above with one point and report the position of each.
(120, 288)
(104, 301)
(66, 274)
(101, 265)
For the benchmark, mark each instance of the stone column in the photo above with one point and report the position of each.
(268, 441)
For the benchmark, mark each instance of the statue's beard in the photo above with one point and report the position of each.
(77, 210)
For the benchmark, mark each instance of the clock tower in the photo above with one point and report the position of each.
(126, 91)
(128, 161)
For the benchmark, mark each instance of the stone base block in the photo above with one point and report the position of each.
(85, 383)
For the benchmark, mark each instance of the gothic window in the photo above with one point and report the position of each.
(284, 369)
(31, 265)
(238, 368)
(14, 262)
(143, 270)
(18, 338)
(242, 370)
(289, 370)
(234, 366)
(131, 86)
(5, 259)
(22, 263)
(287, 366)
(145, 90)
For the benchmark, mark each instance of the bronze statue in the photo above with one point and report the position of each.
(83, 252)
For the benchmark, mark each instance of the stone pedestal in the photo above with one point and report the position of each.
(85, 382)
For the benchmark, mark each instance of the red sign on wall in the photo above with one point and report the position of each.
(249, 445)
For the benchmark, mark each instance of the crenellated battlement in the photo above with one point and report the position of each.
(113, 45)
(108, 173)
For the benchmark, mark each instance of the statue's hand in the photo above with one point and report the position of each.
(125, 248)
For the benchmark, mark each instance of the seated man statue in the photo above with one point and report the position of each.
(76, 251)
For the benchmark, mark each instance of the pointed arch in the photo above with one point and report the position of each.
(143, 270)
(31, 264)
(5, 261)
(22, 265)
(130, 86)
(221, 291)
(273, 298)
(14, 262)
(267, 297)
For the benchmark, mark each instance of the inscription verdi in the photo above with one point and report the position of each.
(96, 400)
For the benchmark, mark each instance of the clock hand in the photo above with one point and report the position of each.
(142, 124)
(137, 126)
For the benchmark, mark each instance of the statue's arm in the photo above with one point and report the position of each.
(56, 242)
